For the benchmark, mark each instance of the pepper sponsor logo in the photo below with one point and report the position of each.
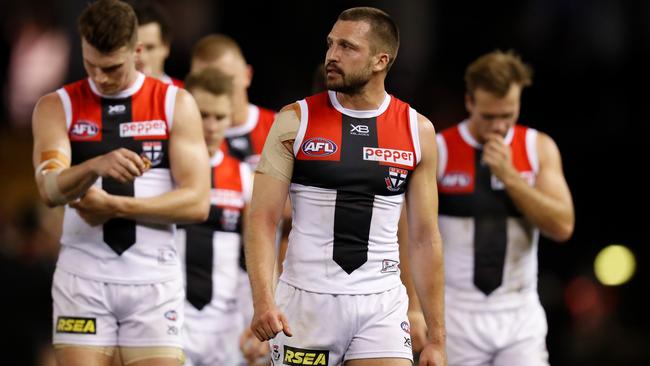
(143, 128)
(298, 356)
(65, 324)
(388, 155)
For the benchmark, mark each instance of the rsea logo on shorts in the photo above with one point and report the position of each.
(299, 356)
(66, 324)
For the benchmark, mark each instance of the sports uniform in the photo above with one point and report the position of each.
(245, 141)
(210, 253)
(104, 271)
(340, 288)
(170, 80)
(493, 310)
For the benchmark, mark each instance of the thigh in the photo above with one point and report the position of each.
(152, 356)
(320, 324)
(152, 315)
(379, 362)
(384, 331)
(84, 355)
(81, 315)
(527, 346)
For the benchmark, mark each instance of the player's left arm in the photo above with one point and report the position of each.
(548, 204)
(189, 201)
(425, 244)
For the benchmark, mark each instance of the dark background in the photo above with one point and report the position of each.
(589, 93)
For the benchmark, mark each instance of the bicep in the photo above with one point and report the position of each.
(187, 149)
(550, 179)
(277, 156)
(422, 194)
(49, 129)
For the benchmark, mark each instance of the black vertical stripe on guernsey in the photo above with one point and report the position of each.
(199, 256)
(119, 233)
(240, 147)
(490, 235)
(353, 210)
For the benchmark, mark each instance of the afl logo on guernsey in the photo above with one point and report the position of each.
(84, 130)
(456, 180)
(319, 146)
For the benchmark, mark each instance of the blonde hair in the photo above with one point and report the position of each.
(212, 47)
(211, 80)
(496, 71)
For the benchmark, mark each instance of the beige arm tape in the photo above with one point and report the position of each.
(277, 155)
(135, 354)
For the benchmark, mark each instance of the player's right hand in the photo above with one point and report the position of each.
(121, 164)
(433, 355)
(268, 322)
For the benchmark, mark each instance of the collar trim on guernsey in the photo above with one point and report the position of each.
(359, 114)
(124, 93)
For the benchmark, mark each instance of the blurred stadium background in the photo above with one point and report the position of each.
(589, 93)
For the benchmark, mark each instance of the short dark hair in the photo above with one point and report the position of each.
(149, 12)
(108, 25)
(385, 32)
(211, 80)
(496, 71)
(213, 46)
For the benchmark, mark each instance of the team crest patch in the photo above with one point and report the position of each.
(319, 146)
(152, 150)
(74, 325)
(396, 178)
(298, 356)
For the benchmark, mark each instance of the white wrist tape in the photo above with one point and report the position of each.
(51, 186)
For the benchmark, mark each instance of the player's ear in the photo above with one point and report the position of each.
(469, 102)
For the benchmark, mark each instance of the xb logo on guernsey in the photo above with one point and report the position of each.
(116, 109)
(152, 150)
(298, 356)
(319, 146)
(359, 130)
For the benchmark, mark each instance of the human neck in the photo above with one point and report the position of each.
(369, 97)
(214, 148)
(240, 114)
